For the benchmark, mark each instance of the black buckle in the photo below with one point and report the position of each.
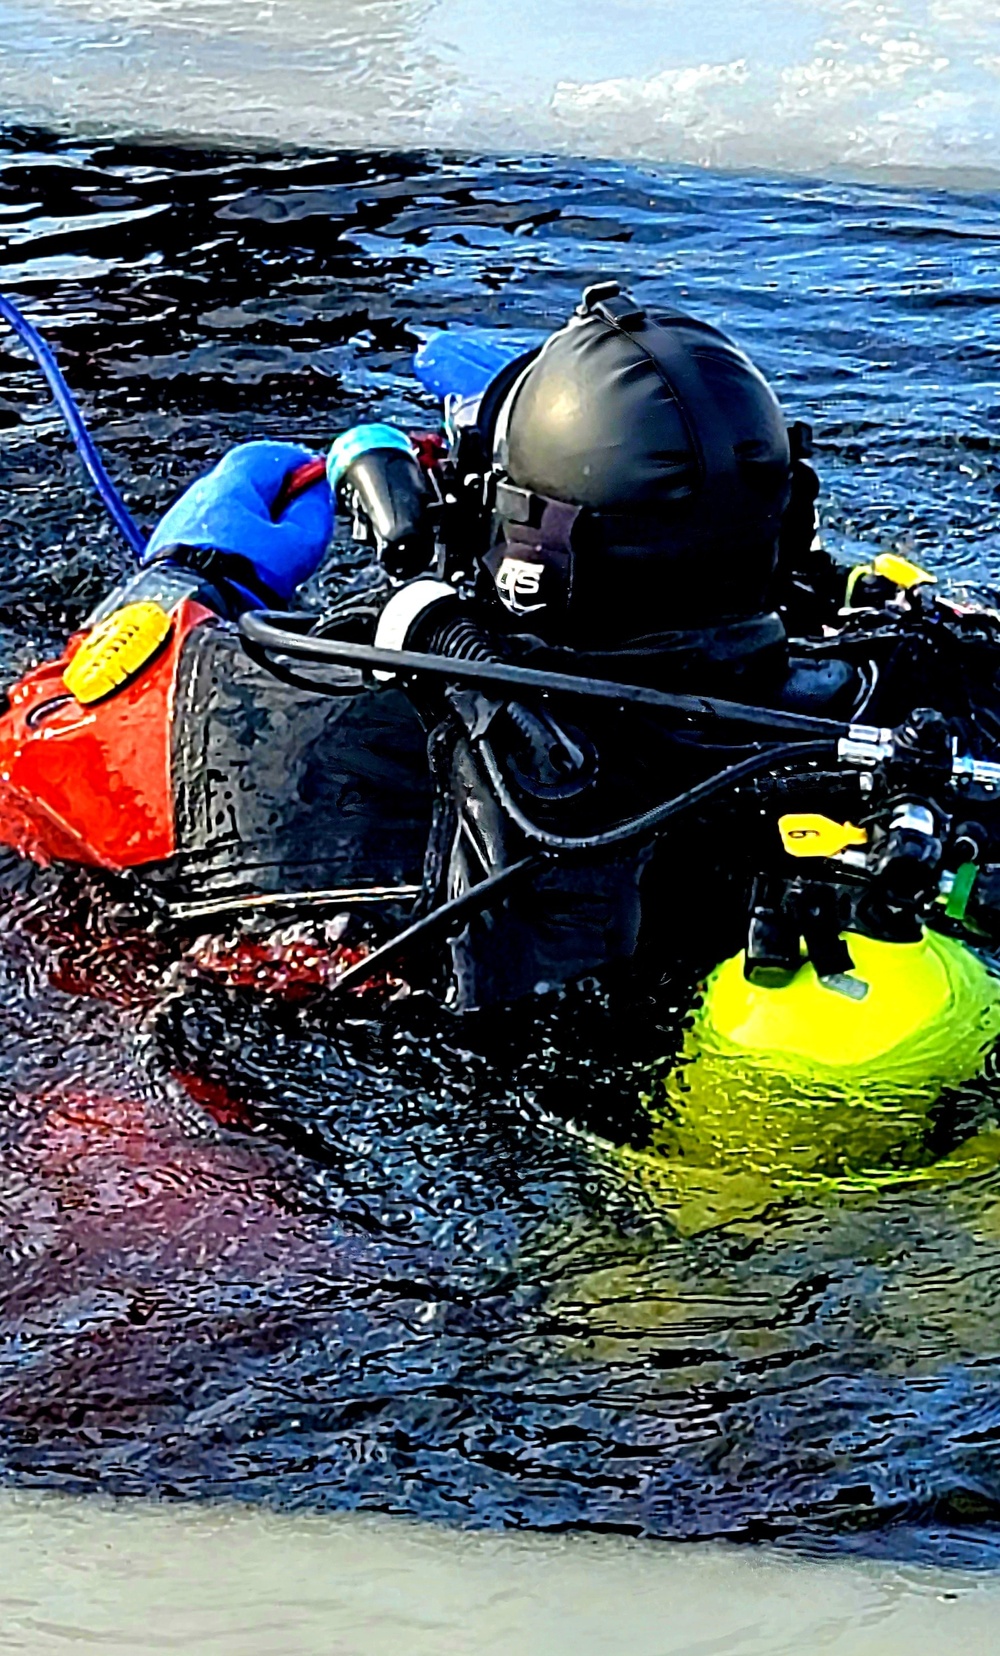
(517, 505)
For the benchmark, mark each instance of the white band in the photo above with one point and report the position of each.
(403, 609)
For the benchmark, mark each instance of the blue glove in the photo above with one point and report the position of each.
(230, 512)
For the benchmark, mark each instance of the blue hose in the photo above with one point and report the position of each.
(85, 445)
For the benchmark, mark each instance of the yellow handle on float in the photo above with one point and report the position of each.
(901, 572)
(806, 834)
(893, 567)
(117, 649)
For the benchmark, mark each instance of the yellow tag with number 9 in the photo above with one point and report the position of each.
(807, 834)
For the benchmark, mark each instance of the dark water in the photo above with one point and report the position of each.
(363, 1267)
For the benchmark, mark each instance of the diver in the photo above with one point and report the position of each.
(624, 506)
(633, 508)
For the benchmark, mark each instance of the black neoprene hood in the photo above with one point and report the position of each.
(673, 447)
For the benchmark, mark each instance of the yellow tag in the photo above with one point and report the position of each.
(804, 834)
(900, 571)
(117, 649)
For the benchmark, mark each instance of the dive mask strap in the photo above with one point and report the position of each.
(532, 562)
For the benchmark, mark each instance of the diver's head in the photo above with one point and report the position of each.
(641, 469)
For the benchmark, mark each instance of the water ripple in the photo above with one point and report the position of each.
(247, 1253)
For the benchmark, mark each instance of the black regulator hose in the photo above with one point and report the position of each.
(764, 760)
(266, 633)
(443, 920)
(459, 638)
(562, 761)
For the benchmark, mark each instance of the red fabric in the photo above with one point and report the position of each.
(430, 447)
(93, 785)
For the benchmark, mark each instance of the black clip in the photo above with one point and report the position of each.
(800, 440)
(606, 299)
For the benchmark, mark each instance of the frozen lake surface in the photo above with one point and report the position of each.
(86, 1580)
(830, 86)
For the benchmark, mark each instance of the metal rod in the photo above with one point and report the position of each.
(440, 920)
(344, 896)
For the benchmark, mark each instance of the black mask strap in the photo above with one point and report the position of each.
(532, 564)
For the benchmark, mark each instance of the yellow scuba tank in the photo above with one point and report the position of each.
(806, 1078)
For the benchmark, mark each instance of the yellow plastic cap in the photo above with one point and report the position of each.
(900, 571)
(117, 649)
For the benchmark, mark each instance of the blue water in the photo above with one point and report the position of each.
(248, 1252)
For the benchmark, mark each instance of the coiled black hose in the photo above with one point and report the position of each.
(462, 639)
(458, 910)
